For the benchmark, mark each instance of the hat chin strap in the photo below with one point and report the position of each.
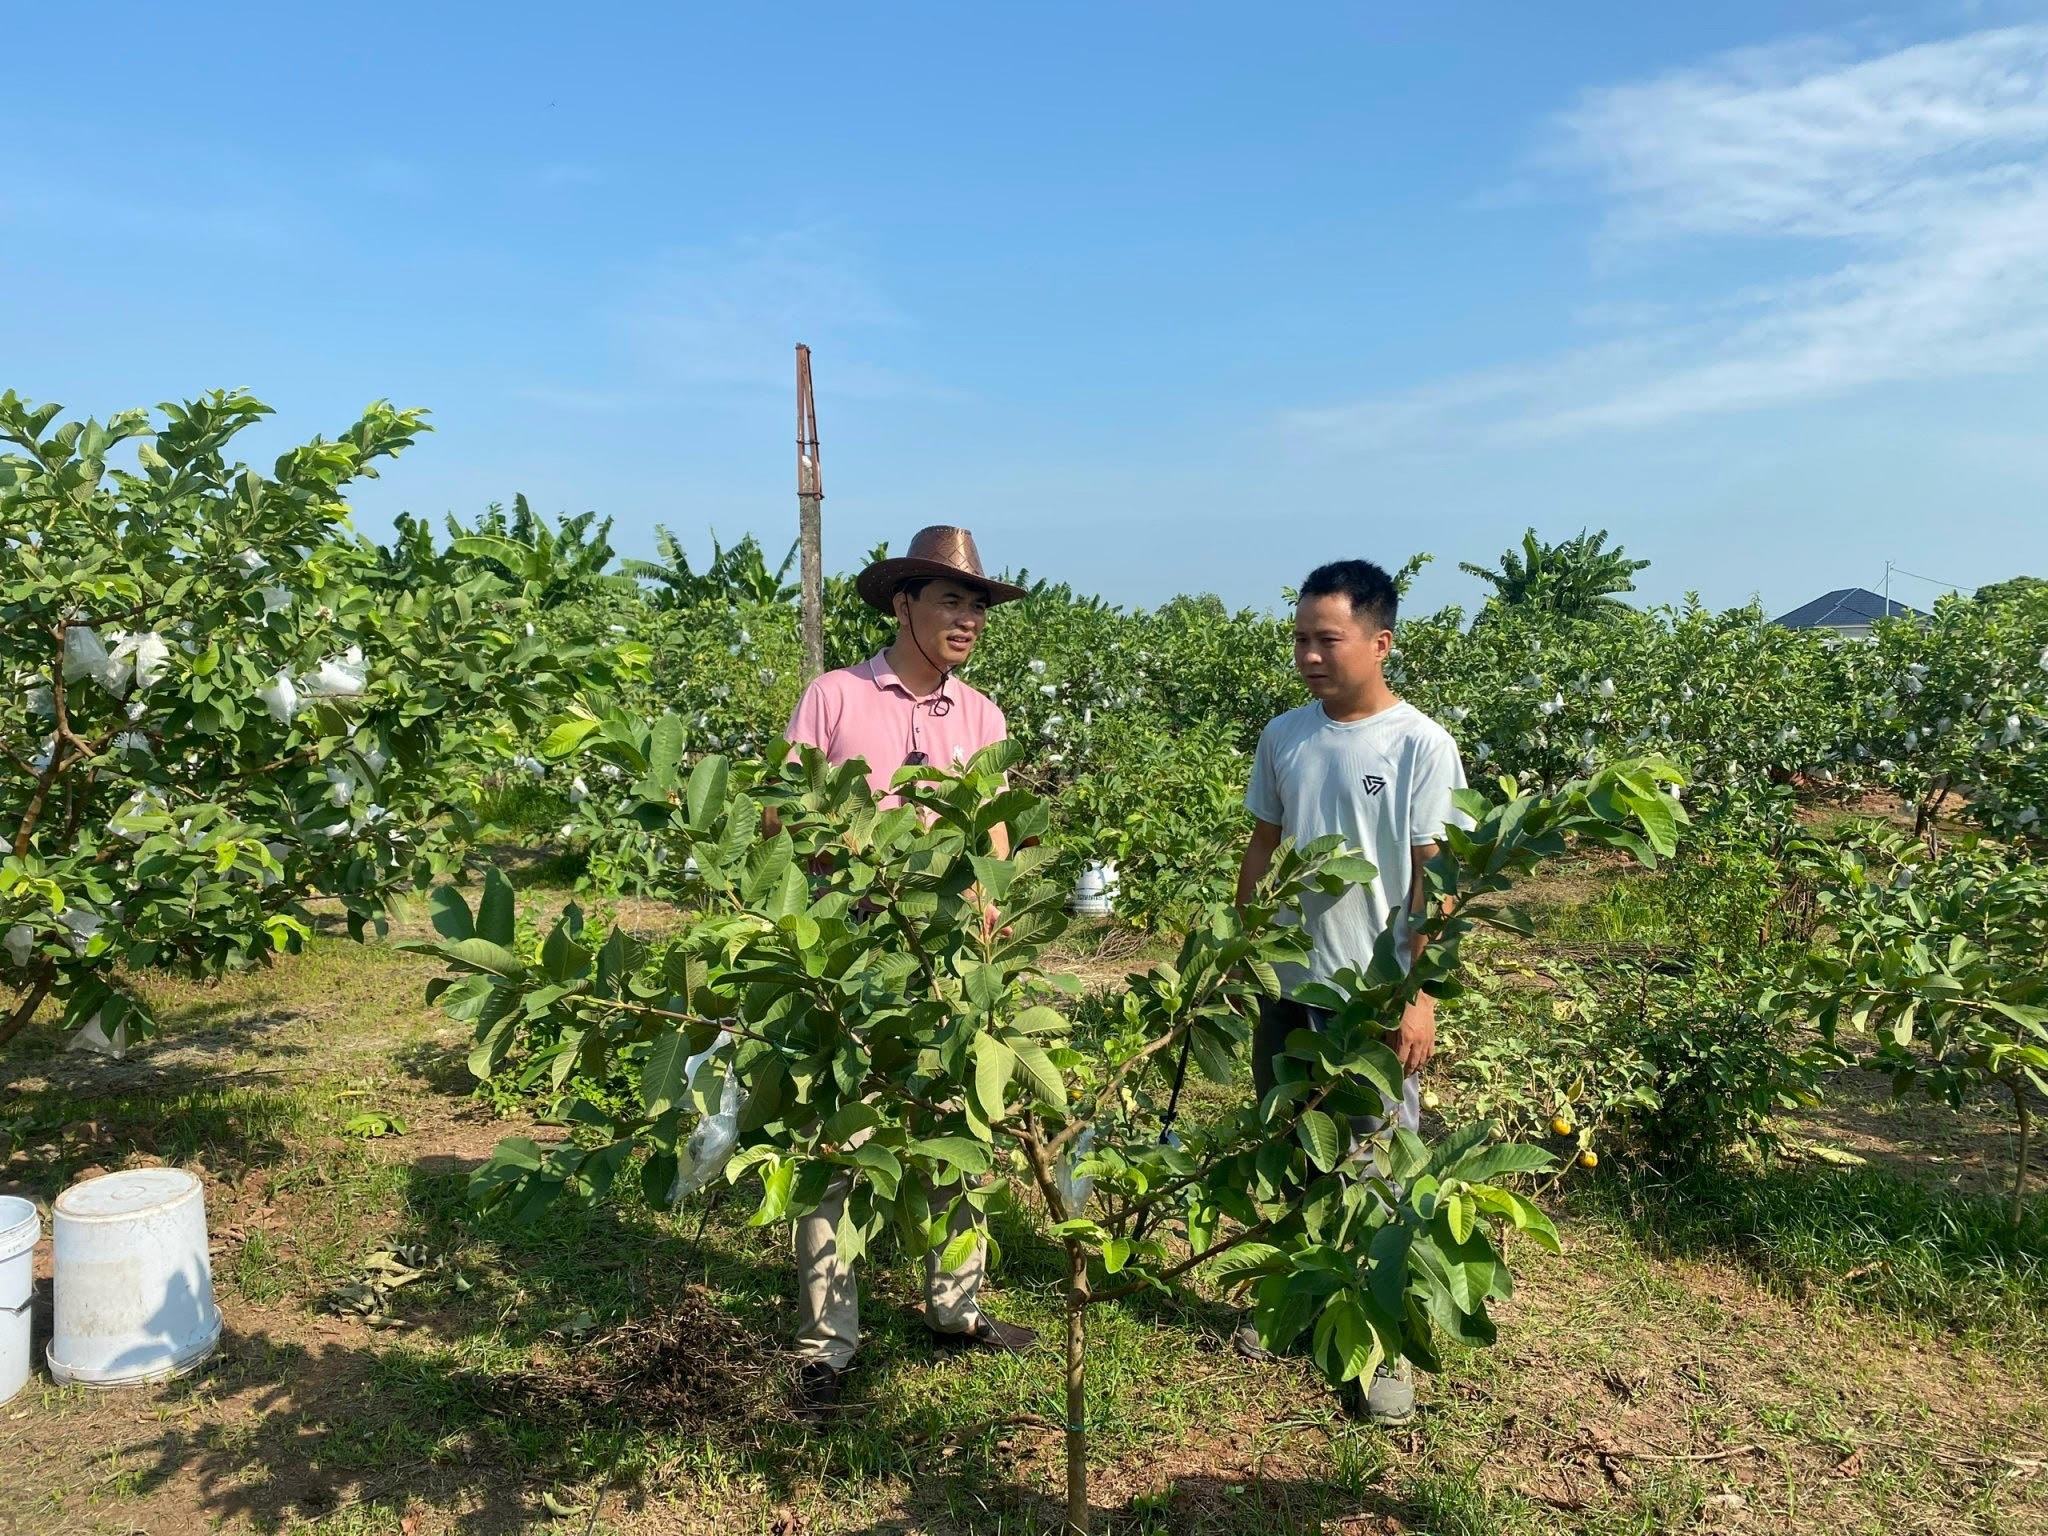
(941, 706)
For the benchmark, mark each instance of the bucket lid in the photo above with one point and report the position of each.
(118, 1196)
(21, 1226)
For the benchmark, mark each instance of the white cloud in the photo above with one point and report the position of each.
(1910, 188)
(731, 315)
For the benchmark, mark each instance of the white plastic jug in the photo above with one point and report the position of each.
(21, 1226)
(1095, 891)
(134, 1286)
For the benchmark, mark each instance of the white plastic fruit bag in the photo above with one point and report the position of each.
(1075, 1191)
(704, 1156)
(337, 677)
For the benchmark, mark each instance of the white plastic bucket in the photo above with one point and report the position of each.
(134, 1287)
(21, 1227)
(1095, 891)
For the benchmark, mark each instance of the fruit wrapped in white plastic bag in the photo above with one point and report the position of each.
(1075, 1191)
(281, 698)
(704, 1156)
(337, 677)
(84, 655)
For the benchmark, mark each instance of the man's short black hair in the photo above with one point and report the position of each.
(1374, 599)
(913, 587)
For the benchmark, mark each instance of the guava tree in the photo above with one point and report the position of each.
(839, 993)
(219, 701)
(1932, 964)
(1960, 703)
(1734, 700)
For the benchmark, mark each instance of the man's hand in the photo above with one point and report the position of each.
(1414, 1042)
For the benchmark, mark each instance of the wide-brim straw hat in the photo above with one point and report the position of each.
(935, 552)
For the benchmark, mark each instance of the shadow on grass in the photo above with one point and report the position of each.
(1861, 1236)
(604, 1352)
(180, 1054)
(441, 1070)
(568, 1355)
(48, 1137)
(339, 1424)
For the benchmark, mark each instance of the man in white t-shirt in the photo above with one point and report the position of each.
(1377, 772)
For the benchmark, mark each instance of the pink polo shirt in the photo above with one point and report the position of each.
(865, 711)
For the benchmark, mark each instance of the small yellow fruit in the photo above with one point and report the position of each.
(1431, 1099)
(1561, 1125)
(1589, 1158)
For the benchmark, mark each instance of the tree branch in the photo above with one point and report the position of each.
(1242, 1235)
(34, 813)
(1040, 1157)
(681, 1018)
(1154, 1197)
(39, 988)
(1124, 1069)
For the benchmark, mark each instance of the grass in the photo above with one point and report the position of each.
(1813, 1316)
(1859, 1238)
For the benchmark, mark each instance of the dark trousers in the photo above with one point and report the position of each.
(1279, 1018)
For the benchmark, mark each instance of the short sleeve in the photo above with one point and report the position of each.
(1438, 772)
(811, 725)
(1262, 795)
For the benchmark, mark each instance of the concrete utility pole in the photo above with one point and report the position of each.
(810, 490)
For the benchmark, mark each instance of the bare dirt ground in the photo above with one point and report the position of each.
(1966, 1150)
(1633, 1390)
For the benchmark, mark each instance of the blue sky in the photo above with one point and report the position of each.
(1155, 298)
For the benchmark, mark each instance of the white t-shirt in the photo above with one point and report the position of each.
(1383, 784)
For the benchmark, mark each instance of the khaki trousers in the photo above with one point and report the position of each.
(828, 1295)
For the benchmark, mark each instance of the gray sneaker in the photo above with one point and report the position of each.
(1390, 1396)
(1246, 1342)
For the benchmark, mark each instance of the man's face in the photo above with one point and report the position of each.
(1337, 652)
(947, 618)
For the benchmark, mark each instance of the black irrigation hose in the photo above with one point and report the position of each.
(1180, 1075)
(711, 1200)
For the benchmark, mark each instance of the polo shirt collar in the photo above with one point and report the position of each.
(885, 676)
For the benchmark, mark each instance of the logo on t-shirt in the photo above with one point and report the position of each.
(1374, 783)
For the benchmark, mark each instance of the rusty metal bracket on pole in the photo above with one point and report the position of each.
(810, 491)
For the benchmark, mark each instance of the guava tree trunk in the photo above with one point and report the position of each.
(1930, 807)
(1077, 1393)
(16, 1020)
(2025, 1117)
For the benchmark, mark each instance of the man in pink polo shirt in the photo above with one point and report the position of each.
(901, 707)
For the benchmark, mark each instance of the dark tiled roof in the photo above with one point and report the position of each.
(1850, 605)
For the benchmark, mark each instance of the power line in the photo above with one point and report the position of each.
(1953, 586)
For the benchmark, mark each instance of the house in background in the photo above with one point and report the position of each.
(1849, 612)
